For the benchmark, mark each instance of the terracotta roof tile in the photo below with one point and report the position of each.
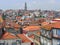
(32, 28)
(52, 25)
(24, 38)
(44, 23)
(8, 36)
(16, 25)
(56, 25)
(20, 21)
(47, 27)
(18, 17)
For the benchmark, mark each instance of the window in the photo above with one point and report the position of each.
(41, 40)
(54, 32)
(48, 34)
(48, 42)
(45, 42)
(56, 42)
(14, 43)
(43, 32)
(18, 42)
(58, 32)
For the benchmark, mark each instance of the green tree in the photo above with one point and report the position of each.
(3, 16)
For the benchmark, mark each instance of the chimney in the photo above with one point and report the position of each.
(21, 30)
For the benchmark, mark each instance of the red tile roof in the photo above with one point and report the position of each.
(16, 25)
(52, 25)
(32, 28)
(24, 38)
(18, 17)
(56, 25)
(45, 23)
(9, 36)
(47, 27)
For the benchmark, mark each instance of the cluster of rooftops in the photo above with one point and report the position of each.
(30, 28)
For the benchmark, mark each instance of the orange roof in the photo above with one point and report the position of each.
(41, 20)
(8, 36)
(24, 38)
(32, 28)
(20, 20)
(18, 17)
(45, 23)
(56, 25)
(27, 19)
(16, 25)
(47, 27)
(16, 29)
(52, 25)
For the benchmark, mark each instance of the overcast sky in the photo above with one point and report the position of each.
(31, 4)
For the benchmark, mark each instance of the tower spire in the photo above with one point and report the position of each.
(25, 6)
